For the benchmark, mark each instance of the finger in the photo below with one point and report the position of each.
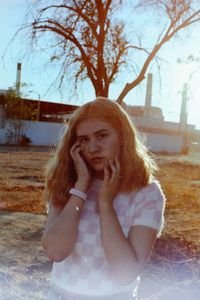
(75, 145)
(77, 153)
(73, 149)
(117, 164)
(114, 173)
(106, 175)
(71, 153)
(82, 146)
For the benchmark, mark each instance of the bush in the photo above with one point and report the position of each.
(24, 140)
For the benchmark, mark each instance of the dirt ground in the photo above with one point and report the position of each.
(176, 255)
(22, 188)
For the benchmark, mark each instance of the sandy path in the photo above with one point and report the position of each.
(172, 274)
(24, 268)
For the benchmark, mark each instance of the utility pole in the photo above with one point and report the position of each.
(148, 98)
(183, 118)
(38, 110)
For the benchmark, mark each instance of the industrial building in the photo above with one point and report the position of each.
(45, 126)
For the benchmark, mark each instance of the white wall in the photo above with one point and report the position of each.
(47, 134)
(43, 133)
(163, 143)
(40, 133)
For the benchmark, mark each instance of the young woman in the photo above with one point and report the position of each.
(105, 208)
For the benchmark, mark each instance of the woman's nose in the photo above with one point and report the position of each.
(93, 146)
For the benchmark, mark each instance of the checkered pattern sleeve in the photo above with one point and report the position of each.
(149, 207)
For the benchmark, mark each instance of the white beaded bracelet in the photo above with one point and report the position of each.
(78, 193)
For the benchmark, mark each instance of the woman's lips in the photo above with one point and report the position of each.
(97, 160)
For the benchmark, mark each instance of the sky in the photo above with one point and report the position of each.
(167, 87)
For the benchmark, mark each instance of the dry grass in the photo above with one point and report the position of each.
(180, 180)
(22, 181)
(22, 184)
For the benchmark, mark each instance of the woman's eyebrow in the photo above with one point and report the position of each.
(101, 131)
(81, 136)
(96, 132)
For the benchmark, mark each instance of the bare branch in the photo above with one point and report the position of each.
(170, 32)
(69, 36)
(77, 10)
(88, 41)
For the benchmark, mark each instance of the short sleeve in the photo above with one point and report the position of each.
(149, 207)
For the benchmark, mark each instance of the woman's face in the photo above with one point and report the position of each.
(99, 142)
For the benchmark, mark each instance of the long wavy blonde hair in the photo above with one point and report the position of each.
(137, 166)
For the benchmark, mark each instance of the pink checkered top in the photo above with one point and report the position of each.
(86, 271)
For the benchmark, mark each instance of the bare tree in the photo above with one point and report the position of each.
(90, 42)
(82, 37)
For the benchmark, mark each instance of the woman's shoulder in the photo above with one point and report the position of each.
(153, 190)
(151, 186)
(149, 207)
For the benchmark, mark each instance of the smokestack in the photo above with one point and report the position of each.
(183, 114)
(18, 79)
(148, 94)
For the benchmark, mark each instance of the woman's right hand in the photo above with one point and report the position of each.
(83, 175)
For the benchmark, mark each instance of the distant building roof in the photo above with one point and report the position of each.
(140, 110)
(49, 111)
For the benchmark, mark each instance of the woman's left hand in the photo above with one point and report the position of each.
(110, 185)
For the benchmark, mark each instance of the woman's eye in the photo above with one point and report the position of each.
(83, 141)
(101, 136)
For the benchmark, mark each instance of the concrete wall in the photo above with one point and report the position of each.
(47, 134)
(44, 133)
(163, 143)
(40, 133)
(149, 122)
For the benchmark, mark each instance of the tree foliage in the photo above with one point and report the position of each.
(17, 112)
(89, 41)
(17, 109)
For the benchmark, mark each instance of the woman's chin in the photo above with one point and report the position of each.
(98, 172)
(98, 167)
(99, 175)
